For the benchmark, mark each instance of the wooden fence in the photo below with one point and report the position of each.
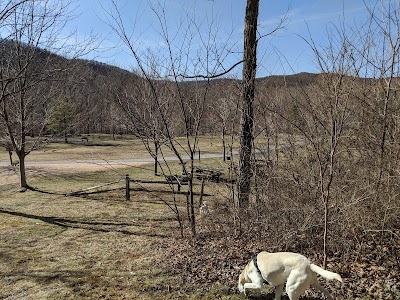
(200, 172)
(170, 180)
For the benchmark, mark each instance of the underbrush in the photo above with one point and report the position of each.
(216, 258)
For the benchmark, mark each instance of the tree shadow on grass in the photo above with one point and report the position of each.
(82, 283)
(80, 224)
(91, 283)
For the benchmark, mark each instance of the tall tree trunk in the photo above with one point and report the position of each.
(9, 148)
(156, 146)
(22, 172)
(249, 76)
(190, 194)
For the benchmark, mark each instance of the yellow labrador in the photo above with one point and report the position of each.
(278, 268)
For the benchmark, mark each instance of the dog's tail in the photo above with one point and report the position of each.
(324, 273)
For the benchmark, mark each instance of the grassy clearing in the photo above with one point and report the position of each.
(60, 247)
(103, 247)
(120, 148)
(95, 149)
(95, 247)
(57, 247)
(103, 147)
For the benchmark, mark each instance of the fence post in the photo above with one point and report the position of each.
(127, 188)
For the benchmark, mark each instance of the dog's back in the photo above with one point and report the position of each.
(276, 267)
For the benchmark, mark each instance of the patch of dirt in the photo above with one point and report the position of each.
(82, 167)
(10, 175)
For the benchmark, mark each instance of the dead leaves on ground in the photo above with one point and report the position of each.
(207, 262)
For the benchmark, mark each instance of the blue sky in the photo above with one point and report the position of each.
(284, 52)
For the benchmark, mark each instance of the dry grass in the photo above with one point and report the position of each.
(101, 147)
(95, 149)
(97, 247)
(56, 247)
(103, 247)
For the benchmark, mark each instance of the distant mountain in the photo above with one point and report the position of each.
(287, 80)
(94, 87)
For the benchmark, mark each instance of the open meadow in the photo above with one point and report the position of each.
(54, 245)
(99, 246)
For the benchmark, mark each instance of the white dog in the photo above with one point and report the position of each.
(278, 268)
(204, 208)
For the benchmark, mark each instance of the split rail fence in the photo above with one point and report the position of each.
(200, 172)
(103, 188)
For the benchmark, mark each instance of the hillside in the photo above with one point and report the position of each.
(95, 90)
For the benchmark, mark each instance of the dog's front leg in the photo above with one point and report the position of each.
(251, 285)
(278, 292)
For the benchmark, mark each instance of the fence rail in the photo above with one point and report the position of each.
(201, 172)
(170, 180)
(84, 191)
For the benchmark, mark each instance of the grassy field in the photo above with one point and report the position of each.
(100, 246)
(103, 247)
(103, 147)
(57, 247)
(96, 247)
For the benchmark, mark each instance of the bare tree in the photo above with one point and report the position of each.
(370, 50)
(29, 70)
(172, 81)
(142, 114)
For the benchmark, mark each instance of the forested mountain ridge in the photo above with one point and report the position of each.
(92, 90)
